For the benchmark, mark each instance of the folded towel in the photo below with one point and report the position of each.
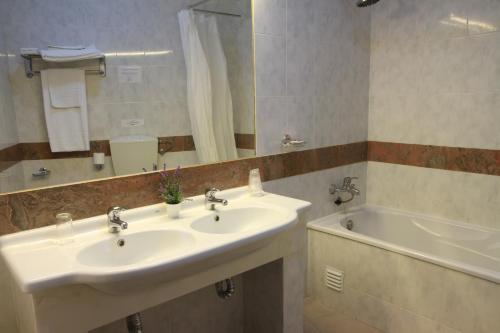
(62, 54)
(67, 127)
(65, 88)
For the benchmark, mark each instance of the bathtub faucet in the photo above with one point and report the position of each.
(347, 187)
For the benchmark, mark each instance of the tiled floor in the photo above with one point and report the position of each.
(318, 319)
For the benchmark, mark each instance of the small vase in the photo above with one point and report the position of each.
(173, 210)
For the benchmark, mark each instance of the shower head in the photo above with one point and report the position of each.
(366, 3)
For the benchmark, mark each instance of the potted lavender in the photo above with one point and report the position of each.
(170, 191)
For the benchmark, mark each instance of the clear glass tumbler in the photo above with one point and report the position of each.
(64, 228)
(254, 183)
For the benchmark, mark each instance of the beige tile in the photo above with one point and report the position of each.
(314, 310)
(395, 293)
(319, 319)
(309, 327)
(342, 324)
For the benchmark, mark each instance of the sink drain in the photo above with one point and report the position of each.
(216, 218)
(120, 242)
(349, 224)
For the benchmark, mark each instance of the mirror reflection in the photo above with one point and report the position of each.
(94, 89)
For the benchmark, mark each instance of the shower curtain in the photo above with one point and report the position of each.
(199, 89)
(209, 96)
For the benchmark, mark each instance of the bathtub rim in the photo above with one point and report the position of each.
(336, 229)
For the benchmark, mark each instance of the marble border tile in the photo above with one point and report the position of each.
(41, 150)
(37, 208)
(245, 141)
(473, 160)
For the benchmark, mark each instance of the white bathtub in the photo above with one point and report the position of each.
(463, 247)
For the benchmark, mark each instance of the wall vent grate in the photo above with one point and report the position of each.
(334, 279)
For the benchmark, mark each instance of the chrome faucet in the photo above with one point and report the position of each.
(115, 223)
(347, 187)
(211, 200)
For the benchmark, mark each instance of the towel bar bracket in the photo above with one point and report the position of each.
(30, 71)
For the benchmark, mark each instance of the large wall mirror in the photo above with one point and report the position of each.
(94, 89)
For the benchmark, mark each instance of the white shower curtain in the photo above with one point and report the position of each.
(199, 89)
(208, 93)
(222, 104)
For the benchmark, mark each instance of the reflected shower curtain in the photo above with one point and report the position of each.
(209, 96)
(199, 89)
(222, 104)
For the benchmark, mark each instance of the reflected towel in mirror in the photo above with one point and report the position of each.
(65, 108)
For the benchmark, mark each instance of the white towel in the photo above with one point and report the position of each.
(67, 127)
(62, 54)
(65, 88)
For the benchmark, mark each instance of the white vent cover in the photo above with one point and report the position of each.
(334, 279)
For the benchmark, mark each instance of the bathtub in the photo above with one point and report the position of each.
(467, 248)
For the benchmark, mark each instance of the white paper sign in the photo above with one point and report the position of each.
(130, 74)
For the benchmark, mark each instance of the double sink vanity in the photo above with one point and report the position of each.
(129, 261)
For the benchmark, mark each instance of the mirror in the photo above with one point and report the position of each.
(94, 89)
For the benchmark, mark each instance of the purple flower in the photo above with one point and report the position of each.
(170, 187)
(177, 171)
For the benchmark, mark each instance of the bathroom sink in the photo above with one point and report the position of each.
(154, 249)
(134, 248)
(236, 220)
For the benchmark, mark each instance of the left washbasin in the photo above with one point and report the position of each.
(134, 248)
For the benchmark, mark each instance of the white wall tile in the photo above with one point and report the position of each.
(314, 187)
(270, 17)
(483, 16)
(270, 72)
(272, 122)
(465, 197)
(434, 84)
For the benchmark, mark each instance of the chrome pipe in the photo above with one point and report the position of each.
(134, 323)
(225, 288)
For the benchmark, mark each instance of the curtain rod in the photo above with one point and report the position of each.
(198, 3)
(214, 12)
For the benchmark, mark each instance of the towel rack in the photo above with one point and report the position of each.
(30, 72)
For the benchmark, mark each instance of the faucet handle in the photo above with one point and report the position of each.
(348, 180)
(210, 192)
(114, 212)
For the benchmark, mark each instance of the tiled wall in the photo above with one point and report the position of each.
(312, 64)
(435, 80)
(314, 187)
(312, 70)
